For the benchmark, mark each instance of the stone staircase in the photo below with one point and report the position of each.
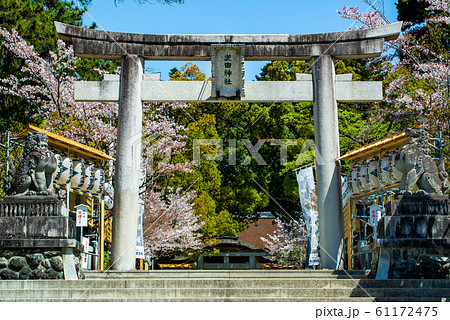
(246, 285)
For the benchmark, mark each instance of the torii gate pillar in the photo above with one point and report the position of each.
(326, 128)
(128, 163)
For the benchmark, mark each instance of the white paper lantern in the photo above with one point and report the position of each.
(98, 183)
(383, 171)
(109, 203)
(363, 178)
(89, 178)
(353, 181)
(396, 176)
(64, 170)
(372, 170)
(79, 169)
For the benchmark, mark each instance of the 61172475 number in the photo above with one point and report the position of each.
(406, 311)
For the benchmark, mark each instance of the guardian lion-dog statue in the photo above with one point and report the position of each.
(418, 167)
(34, 175)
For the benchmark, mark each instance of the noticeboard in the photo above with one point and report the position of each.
(81, 215)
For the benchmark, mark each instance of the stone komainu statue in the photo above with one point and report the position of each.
(34, 175)
(418, 167)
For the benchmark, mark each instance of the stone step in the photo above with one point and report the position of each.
(189, 274)
(412, 299)
(194, 283)
(206, 294)
(193, 299)
(244, 285)
(175, 293)
(234, 299)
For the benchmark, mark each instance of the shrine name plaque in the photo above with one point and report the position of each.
(227, 71)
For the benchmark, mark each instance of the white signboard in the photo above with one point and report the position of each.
(82, 215)
(140, 252)
(375, 214)
(314, 259)
(345, 191)
(140, 234)
(84, 256)
(85, 243)
(306, 190)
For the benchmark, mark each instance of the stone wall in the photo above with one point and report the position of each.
(416, 217)
(418, 204)
(32, 206)
(414, 239)
(37, 239)
(416, 263)
(43, 263)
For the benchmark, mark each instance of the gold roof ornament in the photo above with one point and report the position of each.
(375, 148)
(65, 145)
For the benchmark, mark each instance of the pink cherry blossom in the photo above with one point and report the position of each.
(49, 84)
(419, 66)
(287, 246)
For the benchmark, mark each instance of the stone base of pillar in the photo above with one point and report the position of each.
(37, 240)
(417, 260)
(414, 239)
(29, 263)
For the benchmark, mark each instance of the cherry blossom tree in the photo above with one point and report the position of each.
(162, 139)
(287, 246)
(171, 222)
(417, 69)
(49, 84)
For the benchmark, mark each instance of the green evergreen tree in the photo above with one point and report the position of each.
(34, 21)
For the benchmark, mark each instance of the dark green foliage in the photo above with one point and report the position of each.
(243, 187)
(412, 10)
(150, 1)
(34, 21)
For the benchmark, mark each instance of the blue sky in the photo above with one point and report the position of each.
(224, 16)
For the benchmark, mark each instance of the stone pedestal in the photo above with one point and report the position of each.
(414, 239)
(37, 240)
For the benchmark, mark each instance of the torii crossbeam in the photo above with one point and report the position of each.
(133, 87)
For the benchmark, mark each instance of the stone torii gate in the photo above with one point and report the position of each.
(227, 53)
